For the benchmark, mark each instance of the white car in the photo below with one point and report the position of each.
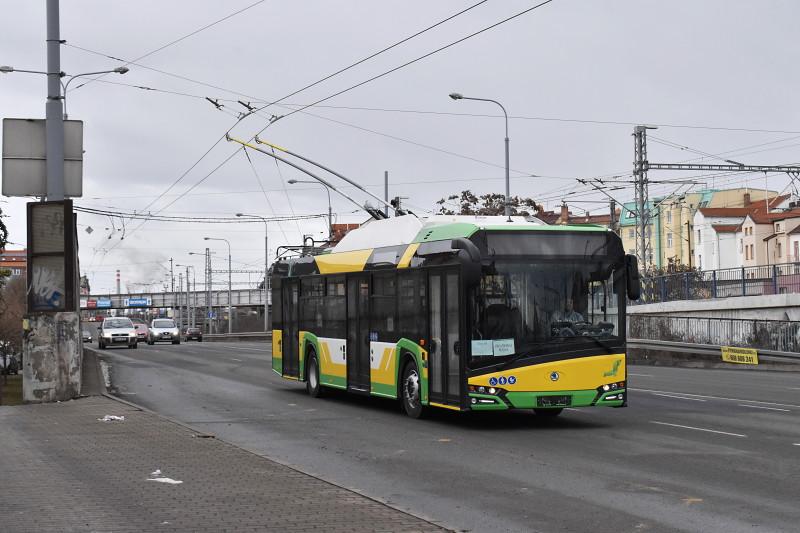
(163, 330)
(117, 331)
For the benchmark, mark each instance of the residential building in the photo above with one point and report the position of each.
(717, 234)
(15, 261)
(768, 238)
(672, 229)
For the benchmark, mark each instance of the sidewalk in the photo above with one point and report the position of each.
(61, 469)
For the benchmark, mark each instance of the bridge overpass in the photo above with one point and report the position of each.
(152, 300)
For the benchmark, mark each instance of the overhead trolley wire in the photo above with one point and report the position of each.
(176, 41)
(205, 154)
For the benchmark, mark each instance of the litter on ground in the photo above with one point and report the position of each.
(112, 418)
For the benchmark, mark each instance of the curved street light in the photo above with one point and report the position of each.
(5, 69)
(459, 96)
(330, 212)
(266, 265)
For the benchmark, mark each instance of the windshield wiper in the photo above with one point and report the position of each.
(606, 347)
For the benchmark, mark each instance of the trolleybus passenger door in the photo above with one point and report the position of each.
(290, 301)
(444, 368)
(358, 333)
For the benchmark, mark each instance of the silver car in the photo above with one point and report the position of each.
(163, 330)
(117, 331)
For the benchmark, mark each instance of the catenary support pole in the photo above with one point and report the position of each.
(54, 122)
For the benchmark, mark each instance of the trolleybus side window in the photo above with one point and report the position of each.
(384, 306)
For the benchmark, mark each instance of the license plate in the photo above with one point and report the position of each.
(554, 401)
(120, 339)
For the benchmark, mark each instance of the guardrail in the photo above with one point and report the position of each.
(723, 283)
(706, 349)
(775, 335)
(249, 335)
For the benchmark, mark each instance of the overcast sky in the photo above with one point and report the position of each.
(575, 76)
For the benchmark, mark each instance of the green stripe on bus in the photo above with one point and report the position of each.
(527, 400)
(333, 381)
(387, 391)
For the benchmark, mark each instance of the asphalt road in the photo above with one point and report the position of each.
(697, 450)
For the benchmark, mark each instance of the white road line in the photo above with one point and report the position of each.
(697, 429)
(679, 397)
(234, 359)
(640, 375)
(796, 444)
(242, 348)
(793, 388)
(716, 397)
(763, 407)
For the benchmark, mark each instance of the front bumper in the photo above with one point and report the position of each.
(120, 341)
(547, 400)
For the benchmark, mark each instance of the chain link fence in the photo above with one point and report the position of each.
(777, 335)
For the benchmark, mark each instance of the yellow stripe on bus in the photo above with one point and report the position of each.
(405, 260)
(443, 406)
(342, 262)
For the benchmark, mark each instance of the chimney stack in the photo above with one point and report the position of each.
(564, 218)
(746, 199)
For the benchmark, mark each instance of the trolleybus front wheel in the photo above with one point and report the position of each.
(312, 385)
(412, 403)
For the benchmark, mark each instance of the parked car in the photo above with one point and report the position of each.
(141, 331)
(193, 334)
(87, 335)
(163, 330)
(9, 364)
(117, 331)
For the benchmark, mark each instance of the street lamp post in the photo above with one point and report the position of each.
(119, 70)
(266, 266)
(457, 96)
(190, 310)
(55, 113)
(230, 269)
(206, 288)
(330, 212)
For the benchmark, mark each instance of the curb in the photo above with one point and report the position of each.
(199, 433)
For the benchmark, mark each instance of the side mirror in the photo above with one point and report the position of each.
(633, 280)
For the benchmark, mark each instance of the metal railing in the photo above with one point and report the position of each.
(724, 283)
(775, 335)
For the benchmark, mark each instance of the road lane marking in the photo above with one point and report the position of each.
(679, 397)
(715, 397)
(234, 359)
(640, 375)
(796, 444)
(249, 349)
(698, 429)
(764, 407)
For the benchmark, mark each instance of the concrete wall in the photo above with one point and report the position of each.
(52, 358)
(770, 307)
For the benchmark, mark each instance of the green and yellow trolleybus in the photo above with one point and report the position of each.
(459, 312)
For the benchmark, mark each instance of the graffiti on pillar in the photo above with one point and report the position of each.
(47, 288)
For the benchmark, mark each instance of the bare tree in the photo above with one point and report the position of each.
(468, 203)
(12, 310)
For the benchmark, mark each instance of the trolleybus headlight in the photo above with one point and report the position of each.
(606, 388)
(482, 389)
(492, 390)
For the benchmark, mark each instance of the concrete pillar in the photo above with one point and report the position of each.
(52, 349)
